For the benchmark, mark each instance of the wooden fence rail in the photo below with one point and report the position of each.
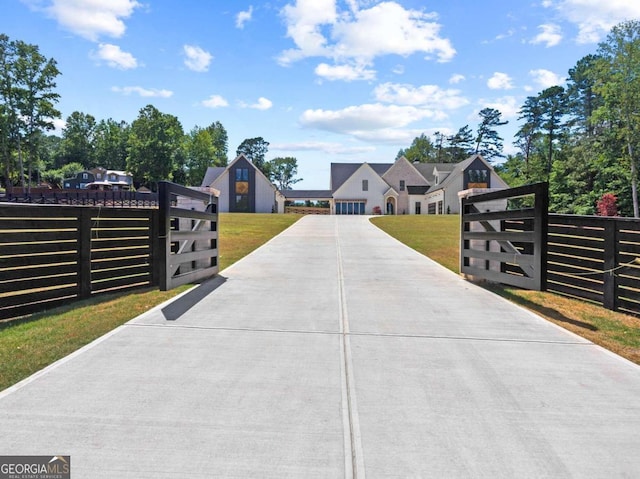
(188, 235)
(53, 254)
(123, 199)
(592, 258)
(596, 259)
(50, 255)
(505, 245)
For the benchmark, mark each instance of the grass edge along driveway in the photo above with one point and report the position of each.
(438, 238)
(30, 344)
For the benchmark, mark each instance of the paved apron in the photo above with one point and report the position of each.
(333, 351)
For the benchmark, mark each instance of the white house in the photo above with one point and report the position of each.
(403, 187)
(242, 188)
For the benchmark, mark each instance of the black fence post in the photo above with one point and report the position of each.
(610, 279)
(164, 225)
(84, 253)
(541, 232)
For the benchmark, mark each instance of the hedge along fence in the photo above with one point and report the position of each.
(50, 255)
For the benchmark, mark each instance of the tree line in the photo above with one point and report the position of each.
(153, 147)
(582, 138)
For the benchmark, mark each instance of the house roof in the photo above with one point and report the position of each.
(417, 190)
(426, 169)
(306, 194)
(341, 172)
(212, 174)
(458, 167)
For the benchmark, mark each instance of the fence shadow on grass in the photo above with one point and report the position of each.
(538, 308)
(184, 303)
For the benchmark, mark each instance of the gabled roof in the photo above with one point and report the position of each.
(459, 168)
(427, 169)
(341, 172)
(212, 174)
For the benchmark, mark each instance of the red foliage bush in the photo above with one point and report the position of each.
(607, 205)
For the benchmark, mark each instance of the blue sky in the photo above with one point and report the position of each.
(321, 80)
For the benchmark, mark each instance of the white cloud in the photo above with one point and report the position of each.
(368, 117)
(550, 35)
(507, 105)
(197, 59)
(594, 18)
(545, 78)
(500, 81)
(456, 78)
(262, 104)
(361, 35)
(215, 101)
(244, 17)
(429, 96)
(325, 147)
(58, 125)
(398, 69)
(344, 72)
(115, 57)
(89, 19)
(143, 92)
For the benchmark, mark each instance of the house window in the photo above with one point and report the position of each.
(85, 176)
(242, 189)
(418, 207)
(401, 185)
(365, 185)
(431, 208)
(350, 207)
(440, 207)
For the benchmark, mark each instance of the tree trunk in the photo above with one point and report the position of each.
(21, 165)
(634, 180)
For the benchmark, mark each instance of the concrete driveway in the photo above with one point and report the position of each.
(333, 351)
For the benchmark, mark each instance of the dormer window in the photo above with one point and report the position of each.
(401, 185)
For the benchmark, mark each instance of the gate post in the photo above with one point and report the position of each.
(164, 225)
(610, 290)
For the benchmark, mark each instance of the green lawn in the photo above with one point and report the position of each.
(30, 344)
(438, 238)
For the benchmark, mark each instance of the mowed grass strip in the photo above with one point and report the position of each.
(438, 238)
(28, 345)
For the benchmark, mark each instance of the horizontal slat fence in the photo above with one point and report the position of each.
(113, 199)
(596, 259)
(50, 255)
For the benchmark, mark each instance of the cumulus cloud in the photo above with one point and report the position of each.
(594, 18)
(500, 81)
(115, 57)
(546, 78)
(325, 147)
(244, 17)
(456, 78)
(89, 19)
(359, 35)
(368, 117)
(550, 35)
(197, 59)
(429, 96)
(507, 105)
(344, 72)
(262, 104)
(215, 101)
(143, 92)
